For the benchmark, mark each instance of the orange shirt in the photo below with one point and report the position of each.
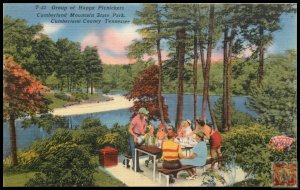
(170, 150)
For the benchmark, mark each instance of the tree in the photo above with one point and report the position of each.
(261, 20)
(208, 61)
(23, 95)
(70, 67)
(144, 93)
(92, 66)
(46, 57)
(18, 40)
(151, 18)
(275, 102)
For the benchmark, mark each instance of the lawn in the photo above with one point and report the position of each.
(16, 179)
(58, 103)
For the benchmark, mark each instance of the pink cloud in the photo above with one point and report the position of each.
(112, 43)
(216, 57)
(90, 40)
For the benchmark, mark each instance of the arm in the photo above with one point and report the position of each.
(130, 130)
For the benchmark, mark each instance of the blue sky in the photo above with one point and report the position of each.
(111, 39)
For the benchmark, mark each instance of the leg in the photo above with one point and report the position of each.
(214, 156)
(132, 148)
(219, 157)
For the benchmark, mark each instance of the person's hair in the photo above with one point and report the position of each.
(200, 122)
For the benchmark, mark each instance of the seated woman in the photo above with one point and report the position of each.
(161, 134)
(198, 157)
(185, 131)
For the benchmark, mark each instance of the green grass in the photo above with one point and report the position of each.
(16, 179)
(104, 180)
(58, 103)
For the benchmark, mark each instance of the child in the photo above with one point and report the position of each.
(149, 141)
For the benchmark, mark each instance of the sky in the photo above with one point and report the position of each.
(111, 39)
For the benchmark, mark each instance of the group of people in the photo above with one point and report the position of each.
(171, 150)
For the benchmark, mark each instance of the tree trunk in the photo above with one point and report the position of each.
(159, 97)
(13, 139)
(208, 61)
(87, 86)
(181, 51)
(225, 84)
(195, 74)
(261, 58)
(92, 87)
(228, 96)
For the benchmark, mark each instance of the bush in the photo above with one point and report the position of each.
(248, 147)
(80, 96)
(90, 122)
(62, 96)
(123, 136)
(106, 89)
(28, 160)
(66, 165)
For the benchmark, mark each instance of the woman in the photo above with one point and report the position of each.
(198, 157)
(213, 136)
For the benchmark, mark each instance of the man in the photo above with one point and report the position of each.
(137, 128)
(171, 153)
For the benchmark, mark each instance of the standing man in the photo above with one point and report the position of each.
(137, 128)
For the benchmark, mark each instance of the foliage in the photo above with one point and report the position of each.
(210, 178)
(109, 139)
(123, 136)
(18, 41)
(20, 86)
(238, 118)
(90, 122)
(66, 164)
(144, 93)
(106, 89)
(28, 160)
(46, 121)
(62, 96)
(248, 147)
(275, 102)
(80, 96)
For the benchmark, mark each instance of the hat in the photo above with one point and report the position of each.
(200, 134)
(143, 111)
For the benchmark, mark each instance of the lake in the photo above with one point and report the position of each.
(26, 136)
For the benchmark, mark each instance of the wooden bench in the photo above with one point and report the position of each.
(168, 172)
(128, 158)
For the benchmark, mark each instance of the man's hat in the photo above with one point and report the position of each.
(143, 111)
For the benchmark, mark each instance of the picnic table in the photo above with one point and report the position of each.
(150, 150)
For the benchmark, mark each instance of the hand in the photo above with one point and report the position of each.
(135, 139)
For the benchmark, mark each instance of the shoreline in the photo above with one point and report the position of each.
(118, 102)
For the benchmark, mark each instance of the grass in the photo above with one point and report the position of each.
(16, 179)
(58, 103)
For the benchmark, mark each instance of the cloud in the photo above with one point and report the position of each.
(50, 28)
(111, 43)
